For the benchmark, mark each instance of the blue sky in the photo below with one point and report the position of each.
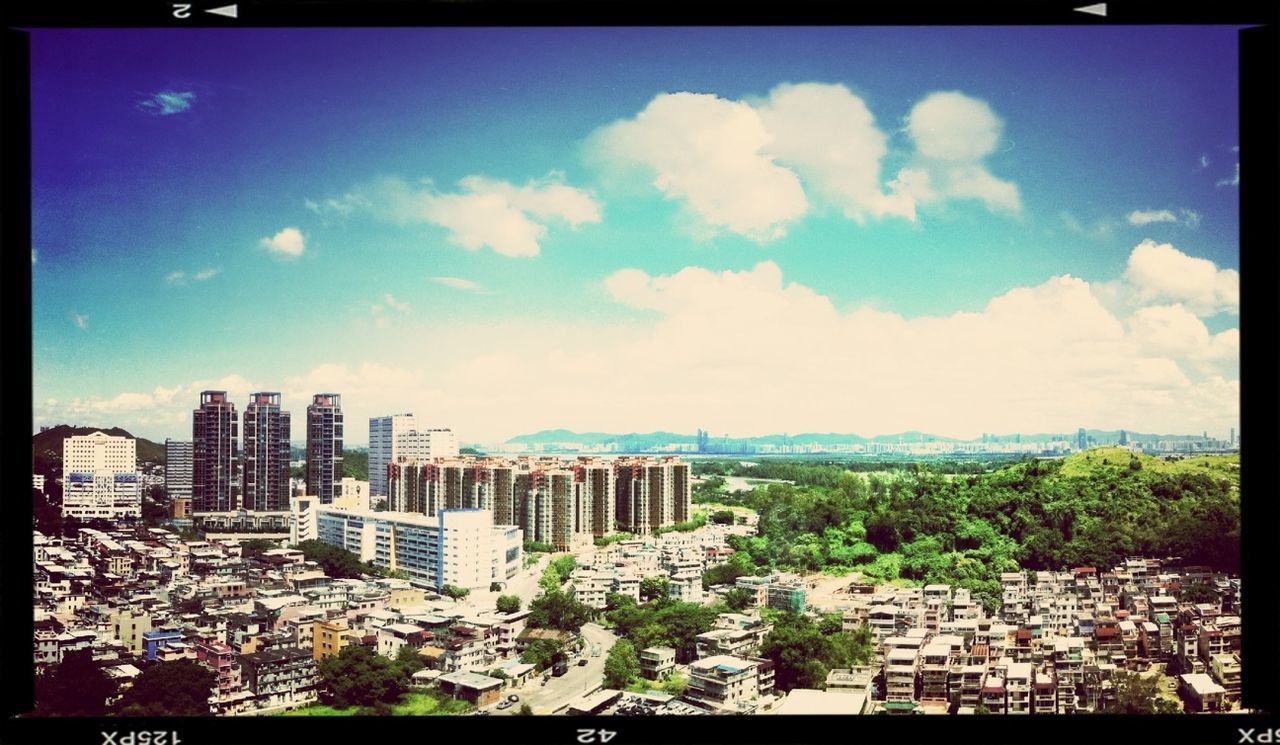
(744, 230)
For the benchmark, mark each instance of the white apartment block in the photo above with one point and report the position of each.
(455, 547)
(100, 477)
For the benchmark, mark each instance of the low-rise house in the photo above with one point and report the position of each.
(480, 690)
(1202, 694)
(729, 683)
(657, 662)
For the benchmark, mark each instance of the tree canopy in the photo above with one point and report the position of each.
(170, 689)
(804, 653)
(357, 676)
(508, 603)
(75, 687)
(622, 665)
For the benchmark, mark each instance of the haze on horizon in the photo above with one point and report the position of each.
(508, 231)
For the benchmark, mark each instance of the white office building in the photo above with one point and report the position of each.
(399, 436)
(459, 547)
(100, 477)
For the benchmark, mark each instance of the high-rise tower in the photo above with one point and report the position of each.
(214, 430)
(265, 460)
(324, 446)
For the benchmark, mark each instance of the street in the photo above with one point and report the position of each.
(558, 692)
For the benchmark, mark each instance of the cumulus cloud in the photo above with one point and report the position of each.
(456, 283)
(81, 321)
(509, 219)
(953, 134)
(753, 168)
(164, 411)
(1233, 180)
(289, 243)
(204, 274)
(1158, 271)
(708, 153)
(179, 278)
(747, 351)
(166, 103)
(394, 304)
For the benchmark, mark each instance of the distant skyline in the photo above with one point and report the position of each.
(743, 230)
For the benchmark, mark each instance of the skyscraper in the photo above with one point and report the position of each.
(324, 446)
(1082, 440)
(214, 431)
(265, 459)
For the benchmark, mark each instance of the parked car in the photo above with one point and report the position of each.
(504, 705)
(582, 662)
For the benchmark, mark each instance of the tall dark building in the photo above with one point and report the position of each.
(324, 446)
(265, 460)
(214, 483)
(1082, 440)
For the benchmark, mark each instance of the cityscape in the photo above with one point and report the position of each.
(478, 374)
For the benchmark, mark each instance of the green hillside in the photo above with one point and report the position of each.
(355, 464)
(1090, 509)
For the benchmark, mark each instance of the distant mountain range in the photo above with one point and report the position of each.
(656, 440)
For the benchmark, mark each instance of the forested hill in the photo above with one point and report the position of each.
(1089, 509)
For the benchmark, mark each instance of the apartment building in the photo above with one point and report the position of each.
(657, 662)
(727, 683)
(100, 477)
(215, 478)
(324, 447)
(280, 677)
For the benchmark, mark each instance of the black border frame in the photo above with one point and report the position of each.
(1260, 410)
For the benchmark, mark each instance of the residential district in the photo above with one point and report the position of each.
(436, 522)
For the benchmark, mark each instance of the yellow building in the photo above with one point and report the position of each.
(329, 637)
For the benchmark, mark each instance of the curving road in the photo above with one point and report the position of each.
(558, 692)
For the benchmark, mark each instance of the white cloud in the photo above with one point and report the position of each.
(709, 154)
(179, 278)
(1204, 162)
(81, 321)
(828, 135)
(1189, 218)
(176, 278)
(391, 302)
(1233, 180)
(289, 243)
(1146, 217)
(953, 133)
(1158, 271)
(456, 283)
(204, 274)
(33, 256)
(949, 125)
(166, 103)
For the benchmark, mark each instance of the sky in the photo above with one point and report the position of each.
(743, 230)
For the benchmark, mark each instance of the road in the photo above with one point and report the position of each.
(558, 692)
(524, 585)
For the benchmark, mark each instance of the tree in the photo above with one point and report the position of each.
(1134, 694)
(542, 653)
(556, 610)
(739, 599)
(564, 566)
(334, 561)
(455, 592)
(657, 587)
(676, 684)
(622, 665)
(1199, 591)
(550, 580)
(171, 689)
(256, 547)
(722, 517)
(357, 676)
(408, 661)
(525, 711)
(76, 687)
(508, 603)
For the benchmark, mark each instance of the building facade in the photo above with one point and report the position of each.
(324, 446)
(214, 436)
(100, 477)
(265, 458)
(177, 469)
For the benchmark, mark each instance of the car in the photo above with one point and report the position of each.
(582, 662)
(504, 705)
(513, 698)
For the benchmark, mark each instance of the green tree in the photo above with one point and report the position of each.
(721, 517)
(557, 610)
(676, 684)
(622, 665)
(357, 676)
(171, 689)
(495, 586)
(256, 547)
(334, 561)
(1199, 591)
(1134, 694)
(564, 566)
(408, 661)
(739, 599)
(525, 711)
(655, 588)
(508, 603)
(75, 687)
(542, 653)
(455, 592)
(550, 580)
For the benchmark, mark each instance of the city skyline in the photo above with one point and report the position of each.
(516, 231)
